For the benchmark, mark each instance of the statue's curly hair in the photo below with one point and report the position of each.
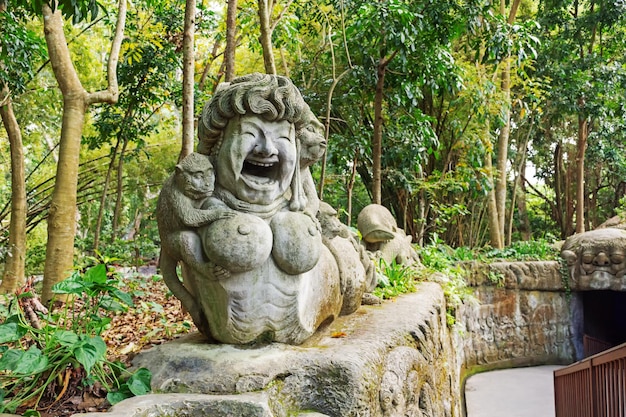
(272, 97)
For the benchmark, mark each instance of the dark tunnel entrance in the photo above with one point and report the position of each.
(603, 320)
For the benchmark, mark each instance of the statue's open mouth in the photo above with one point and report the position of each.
(260, 172)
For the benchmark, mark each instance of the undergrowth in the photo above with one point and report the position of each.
(48, 355)
(394, 279)
(440, 265)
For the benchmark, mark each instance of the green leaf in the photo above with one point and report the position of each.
(11, 332)
(90, 352)
(32, 362)
(10, 359)
(72, 285)
(66, 337)
(28, 362)
(97, 274)
(123, 297)
(117, 396)
(139, 382)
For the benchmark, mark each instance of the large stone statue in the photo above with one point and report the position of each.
(596, 259)
(255, 266)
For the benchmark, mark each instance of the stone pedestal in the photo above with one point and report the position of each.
(389, 360)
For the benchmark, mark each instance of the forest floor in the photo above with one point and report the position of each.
(155, 318)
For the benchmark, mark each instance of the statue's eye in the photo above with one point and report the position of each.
(587, 258)
(617, 258)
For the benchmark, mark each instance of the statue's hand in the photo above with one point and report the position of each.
(224, 214)
(219, 272)
(314, 219)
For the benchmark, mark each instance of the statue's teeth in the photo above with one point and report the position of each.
(260, 164)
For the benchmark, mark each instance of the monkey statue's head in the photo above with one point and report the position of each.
(195, 176)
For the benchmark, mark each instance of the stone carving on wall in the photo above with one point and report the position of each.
(406, 386)
(256, 263)
(596, 259)
(383, 238)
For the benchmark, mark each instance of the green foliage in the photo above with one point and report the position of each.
(41, 349)
(77, 10)
(497, 278)
(394, 279)
(441, 266)
(21, 49)
(531, 250)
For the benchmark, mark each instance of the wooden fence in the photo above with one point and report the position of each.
(593, 387)
(592, 345)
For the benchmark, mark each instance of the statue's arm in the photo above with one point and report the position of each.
(194, 217)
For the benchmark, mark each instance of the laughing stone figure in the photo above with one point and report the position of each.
(269, 276)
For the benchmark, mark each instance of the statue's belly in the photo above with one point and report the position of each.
(267, 304)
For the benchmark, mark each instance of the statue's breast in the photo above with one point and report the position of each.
(240, 243)
(297, 242)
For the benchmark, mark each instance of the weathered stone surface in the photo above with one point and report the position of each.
(396, 359)
(189, 405)
(524, 321)
(597, 259)
(540, 275)
(240, 217)
(383, 238)
(384, 361)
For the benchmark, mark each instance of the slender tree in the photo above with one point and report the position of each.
(265, 36)
(505, 131)
(188, 80)
(62, 214)
(13, 275)
(231, 40)
(19, 48)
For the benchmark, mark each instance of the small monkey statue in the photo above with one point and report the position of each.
(185, 203)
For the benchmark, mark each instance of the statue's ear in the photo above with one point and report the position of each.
(179, 169)
(569, 256)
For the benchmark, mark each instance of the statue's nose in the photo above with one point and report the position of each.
(601, 259)
(265, 147)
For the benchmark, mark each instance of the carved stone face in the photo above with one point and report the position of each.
(603, 261)
(597, 259)
(257, 158)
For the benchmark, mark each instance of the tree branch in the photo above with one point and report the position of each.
(111, 94)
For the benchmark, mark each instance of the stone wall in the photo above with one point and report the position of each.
(398, 359)
(520, 317)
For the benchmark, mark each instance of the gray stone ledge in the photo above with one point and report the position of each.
(391, 359)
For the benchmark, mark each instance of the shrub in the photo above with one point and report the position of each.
(45, 352)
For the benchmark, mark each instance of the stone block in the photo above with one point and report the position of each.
(389, 360)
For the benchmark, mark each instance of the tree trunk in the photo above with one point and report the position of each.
(559, 214)
(62, 214)
(188, 80)
(350, 189)
(329, 103)
(495, 236)
(231, 40)
(265, 11)
(505, 131)
(517, 183)
(117, 212)
(503, 149)
(103, 197)
(207, 67)
(581, 146)
(14, 275)
(378, 134)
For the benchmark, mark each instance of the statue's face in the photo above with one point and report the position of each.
(257, 158)
(603, 260)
